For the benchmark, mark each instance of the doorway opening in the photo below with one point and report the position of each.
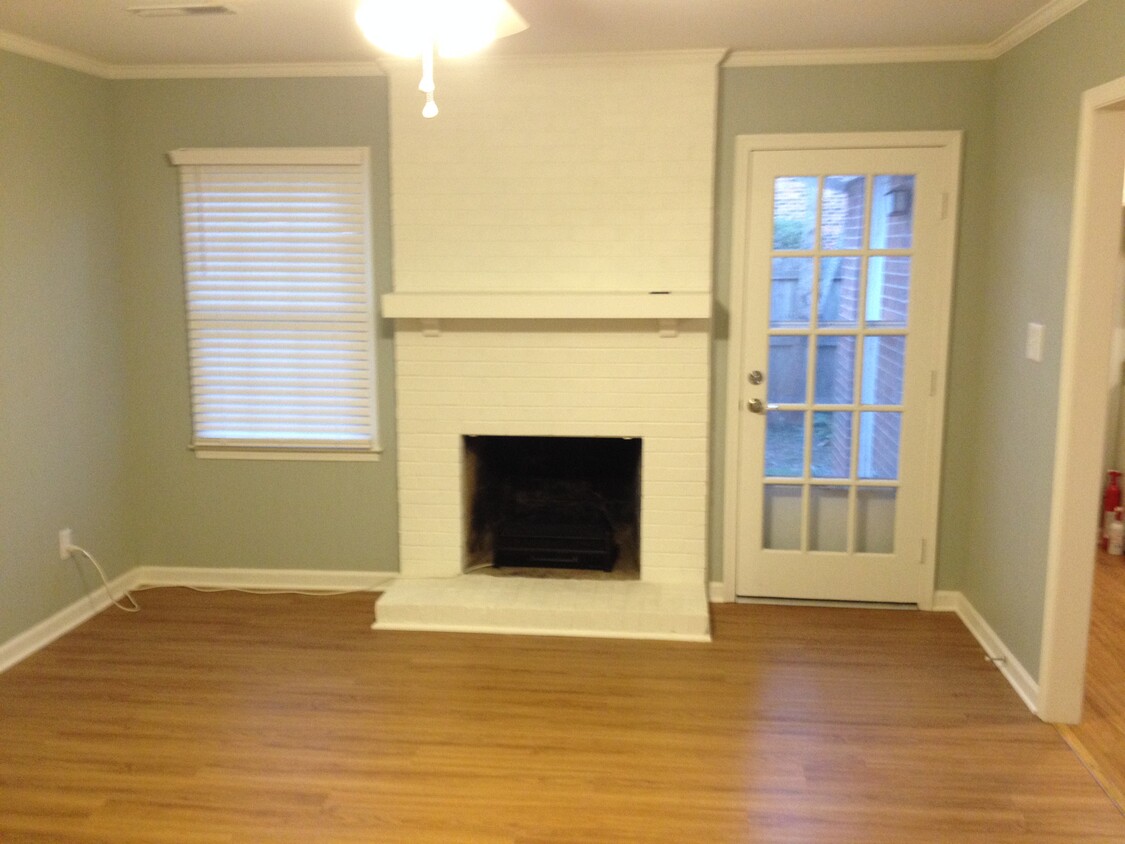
(1087, 334)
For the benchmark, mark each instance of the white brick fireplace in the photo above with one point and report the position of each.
(552, 278)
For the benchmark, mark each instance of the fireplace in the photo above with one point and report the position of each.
(531, 373)
(552, 279)
(542, 505)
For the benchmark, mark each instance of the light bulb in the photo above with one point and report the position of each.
(411, 28)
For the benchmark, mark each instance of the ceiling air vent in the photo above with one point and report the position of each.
(194, 8)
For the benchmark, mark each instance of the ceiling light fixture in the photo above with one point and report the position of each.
(415, 28)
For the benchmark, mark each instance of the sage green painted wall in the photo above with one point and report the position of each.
(62, 397)
(1039, 85)
(873, 98)
(238, 513)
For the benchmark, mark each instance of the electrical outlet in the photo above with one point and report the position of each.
(66, 539)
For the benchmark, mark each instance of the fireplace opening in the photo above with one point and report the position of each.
(551, 506)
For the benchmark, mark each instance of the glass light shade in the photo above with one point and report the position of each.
(456, 27)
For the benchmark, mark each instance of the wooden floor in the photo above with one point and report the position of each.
(220, 718)
(1100, 738)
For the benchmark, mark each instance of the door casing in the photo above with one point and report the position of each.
(745, 147)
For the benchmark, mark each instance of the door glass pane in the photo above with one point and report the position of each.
(841, 215)
(875, 520)
(785, 443)
(879, 436)
(789, 357)
(781, 517)
(828, 518)
(838, 304)
(790, 292)
(888, 291)
(884, 364)
(892, 212)
(835, 368)
(794, 212)
(832, 444)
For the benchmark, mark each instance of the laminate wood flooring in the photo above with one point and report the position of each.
(217, 718)
(1100, 738)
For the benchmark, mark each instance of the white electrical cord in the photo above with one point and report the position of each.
(135, 607)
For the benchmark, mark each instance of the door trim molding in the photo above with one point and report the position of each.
(745, 147)
(1083, 370)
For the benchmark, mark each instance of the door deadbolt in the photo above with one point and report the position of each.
(754, 377)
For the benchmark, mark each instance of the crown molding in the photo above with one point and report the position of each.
(1033, 23)
(245, 71)
(1029, 26)
(383, 66)
(857, 55)
(54, 55)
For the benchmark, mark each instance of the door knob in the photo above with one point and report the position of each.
(755, 406)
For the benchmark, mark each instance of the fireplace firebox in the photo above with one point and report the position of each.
(552, 503)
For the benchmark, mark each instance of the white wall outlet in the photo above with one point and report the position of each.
(66, 539)
(1034, 349)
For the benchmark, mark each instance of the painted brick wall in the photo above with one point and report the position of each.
(557, 378)
(580, 175)
(561, 175)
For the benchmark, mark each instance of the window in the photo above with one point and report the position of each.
(280, 313)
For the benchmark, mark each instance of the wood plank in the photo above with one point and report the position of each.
(227, 717)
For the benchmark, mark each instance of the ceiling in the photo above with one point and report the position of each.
(103, 35)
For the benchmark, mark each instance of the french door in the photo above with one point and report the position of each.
(845, 281)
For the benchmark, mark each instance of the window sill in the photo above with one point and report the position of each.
(214, 453)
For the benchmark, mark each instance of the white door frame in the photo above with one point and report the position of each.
(1088, 323)
(745, 147)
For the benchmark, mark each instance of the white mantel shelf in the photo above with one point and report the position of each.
(441, 306)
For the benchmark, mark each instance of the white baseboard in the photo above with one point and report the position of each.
(23, 645)
(1012, 669)
(717, 592)
(305, 580)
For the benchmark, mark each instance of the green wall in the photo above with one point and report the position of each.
(62, 394)
(1038, 88)
(189, 511)
(872, 98)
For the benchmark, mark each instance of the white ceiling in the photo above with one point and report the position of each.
(302, 32)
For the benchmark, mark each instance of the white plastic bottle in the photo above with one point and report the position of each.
(1116, 539)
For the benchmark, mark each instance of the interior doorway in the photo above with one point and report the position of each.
(1099, 739)
(1087, 335)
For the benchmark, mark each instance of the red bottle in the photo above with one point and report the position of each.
(1110, 502)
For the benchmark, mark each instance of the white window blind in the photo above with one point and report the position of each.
(279, 298)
